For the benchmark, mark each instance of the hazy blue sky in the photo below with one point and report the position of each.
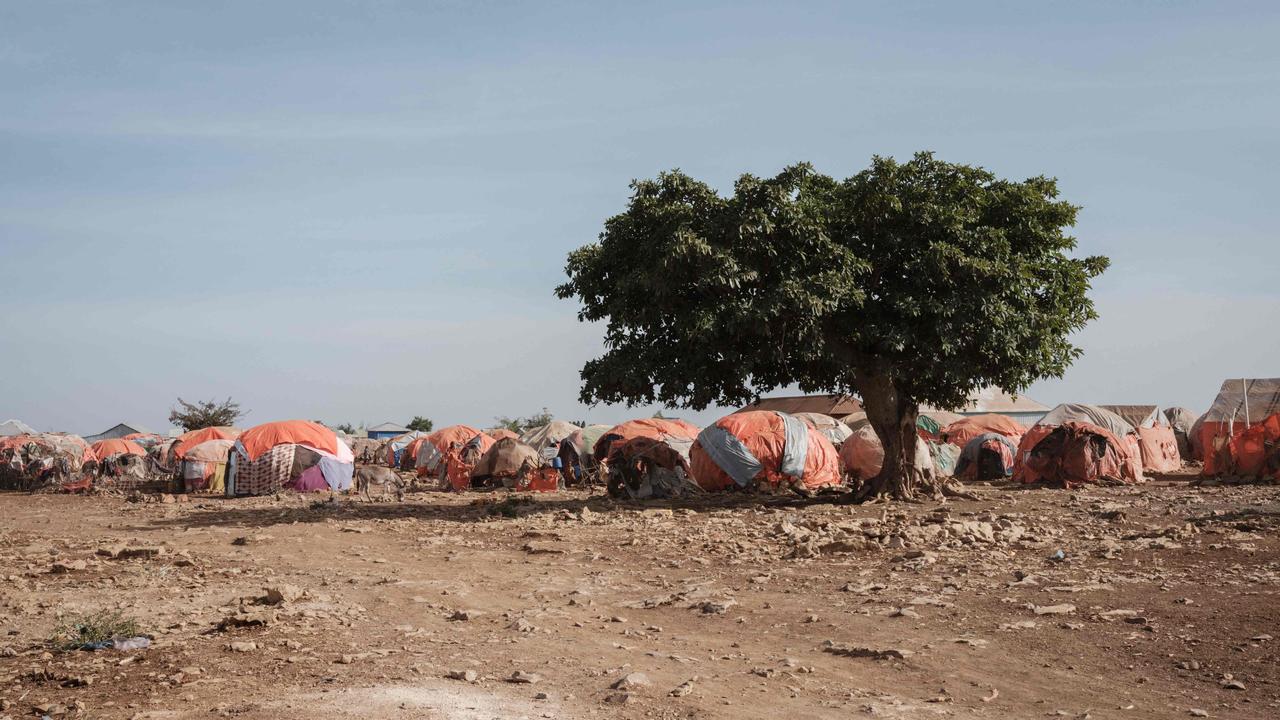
(358, 211)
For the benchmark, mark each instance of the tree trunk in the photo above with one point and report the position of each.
(893, 416)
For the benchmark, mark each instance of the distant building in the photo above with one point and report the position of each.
(993, 400)
(118, 431)
(386, 430)
(10, 428)
(837, 406)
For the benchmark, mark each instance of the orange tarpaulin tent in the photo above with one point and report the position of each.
(104, 449)
(188, 440)
(428, 455)
(1159, 448)
(960, 432)
(653, 428)
(501, 434)
(756, 443)
(258, 440)
(1256, 451)
(1077, 452)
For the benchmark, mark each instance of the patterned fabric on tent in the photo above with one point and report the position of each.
(395, 448)
(201, 462)
(507, 458)
(645, 467)
(762, 447)
(305, 456)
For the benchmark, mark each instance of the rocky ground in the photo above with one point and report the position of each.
(1154, 601)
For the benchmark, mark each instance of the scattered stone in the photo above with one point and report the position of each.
(524, 678)
(1063, 609)
(620, 698)
(522, 625)
(1197, 712)
(905, 612)
(283, 594)
(68, 566)
(632, 681)
(682, 689)
(463, 615)
(243, 646)
(463, 675)
(865, 652)
(716, 607)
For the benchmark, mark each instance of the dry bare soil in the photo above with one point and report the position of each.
(1162, 604)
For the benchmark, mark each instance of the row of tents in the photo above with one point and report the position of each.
(657, 457)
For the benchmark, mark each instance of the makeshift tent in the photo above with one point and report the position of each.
(1138, 416)
(507, 461)
(577, 463)
(549, 435)
(1255, 452)
(1181, 420)
(653, 428)
(467, 440)
(643, 467)
(192, 438)
(294, 454)
(763, 449)
(394, 449)
(1075, 453)
(930, 424)
(862, 455)
(204, 466)
(13, 428)
(831, 428)
(1240, 404)
(962, 431)
(145, 439)
(28, 462)
(1159, 448)
(1112, 425)
(501, 433)
(1092, 414)
(987, 457)
(104, 449)
(837, 406)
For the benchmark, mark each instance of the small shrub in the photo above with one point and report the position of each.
(77, 631)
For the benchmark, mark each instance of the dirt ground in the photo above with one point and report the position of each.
(1163, 603)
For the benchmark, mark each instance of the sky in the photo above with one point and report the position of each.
(357, 212)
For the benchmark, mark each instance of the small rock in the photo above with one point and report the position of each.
(463, 675)
(524, 678)
(282, 594)
(632, 681)
(1063, 609)
(68, 566)
(1197, 712)
(463, 615)
(243, 646)
(620, 698)
(682, 689)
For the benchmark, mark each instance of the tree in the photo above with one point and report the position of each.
(420, 424)
(347, 428)
(908, 283)
(206, 413)
(519, 425)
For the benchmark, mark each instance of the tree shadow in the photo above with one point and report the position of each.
(488, 506)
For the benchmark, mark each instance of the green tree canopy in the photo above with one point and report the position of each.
(205, 413)
(908, 283)
(520, 424)
(420, 424)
